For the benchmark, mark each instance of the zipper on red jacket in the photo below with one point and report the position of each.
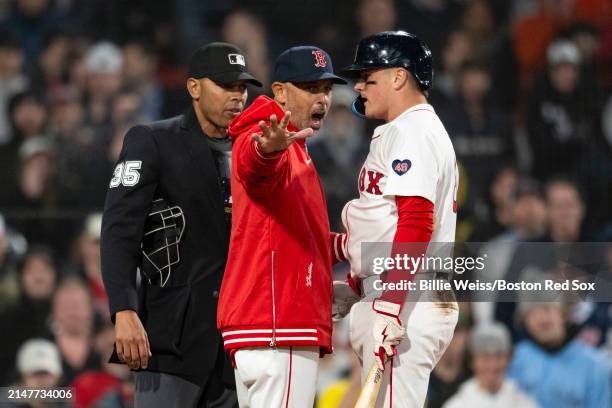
(273, 342)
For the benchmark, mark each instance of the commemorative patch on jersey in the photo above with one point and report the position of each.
(401, 167)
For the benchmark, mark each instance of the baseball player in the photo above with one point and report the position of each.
(407, 189)
(275, 303)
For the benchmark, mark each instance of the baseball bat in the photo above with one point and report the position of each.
(370, 389)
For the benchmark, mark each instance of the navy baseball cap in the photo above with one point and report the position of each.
(304, 64)
(220, 62)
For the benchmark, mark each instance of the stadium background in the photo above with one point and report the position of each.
(523, 87)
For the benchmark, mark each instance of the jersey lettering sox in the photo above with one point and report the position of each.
(410, 156)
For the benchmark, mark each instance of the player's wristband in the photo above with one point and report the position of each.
(387, 308)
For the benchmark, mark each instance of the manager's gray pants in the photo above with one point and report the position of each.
(161, 390)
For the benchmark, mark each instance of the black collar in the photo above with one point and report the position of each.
(189, 119)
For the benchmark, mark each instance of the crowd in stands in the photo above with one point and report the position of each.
(523, 87)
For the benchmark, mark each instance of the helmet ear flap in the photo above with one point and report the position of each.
(358, 107)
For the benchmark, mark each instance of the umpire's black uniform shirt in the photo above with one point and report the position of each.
(171, 159)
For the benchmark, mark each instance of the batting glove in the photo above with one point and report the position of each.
(387, 330)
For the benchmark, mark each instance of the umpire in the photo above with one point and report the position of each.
(168, 214)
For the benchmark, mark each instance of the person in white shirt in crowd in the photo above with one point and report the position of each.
(491, 349)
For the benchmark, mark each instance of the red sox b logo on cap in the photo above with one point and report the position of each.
(321, 59)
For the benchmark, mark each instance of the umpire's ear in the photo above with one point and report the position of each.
(194, 87)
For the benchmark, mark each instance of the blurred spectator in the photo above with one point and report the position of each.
(425, 17)
(71, 325)
(490, 349)
(28, 116)
(553, 367)
(247, 32)
(528, 212)
(38, 356)
(452, 369)
(587, 38)
(561, 117)
(32, 205)
(198, 20)
(481, 133)
(77, 69)
(87, 262)
(8, 268)
(103, 64)
(66, 117)
(39, 366)
(110, 387)
(374, 16)
(338, 152)
(125, 115)
(479, 25)
(32, 20)
(534, 32)
(82, 166)
(117, 142)
(528, 222)
(27, 316)
(12, 79)
(494, 218)
(104, 342)
(457, 50)
(28, 119)
(139, 69)
(49, 73)
(38, 170)
(126, 109)
(566, 211)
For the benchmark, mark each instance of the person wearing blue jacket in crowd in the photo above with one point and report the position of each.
(555, 368)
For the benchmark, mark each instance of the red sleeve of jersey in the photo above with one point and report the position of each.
(414, 229)
(259, 172)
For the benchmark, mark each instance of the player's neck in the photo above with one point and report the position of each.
(403, 103)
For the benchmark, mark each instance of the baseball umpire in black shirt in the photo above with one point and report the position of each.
(167, 215)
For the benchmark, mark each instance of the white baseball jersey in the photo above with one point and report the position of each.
(410, 156)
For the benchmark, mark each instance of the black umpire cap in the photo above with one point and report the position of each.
(220, 62)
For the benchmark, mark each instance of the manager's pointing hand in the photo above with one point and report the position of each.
(276, 137)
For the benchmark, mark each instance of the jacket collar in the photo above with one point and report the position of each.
(189, 118)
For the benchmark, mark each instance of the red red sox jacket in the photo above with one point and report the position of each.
(277, 287)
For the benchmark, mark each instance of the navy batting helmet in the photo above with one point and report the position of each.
(390, 49)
